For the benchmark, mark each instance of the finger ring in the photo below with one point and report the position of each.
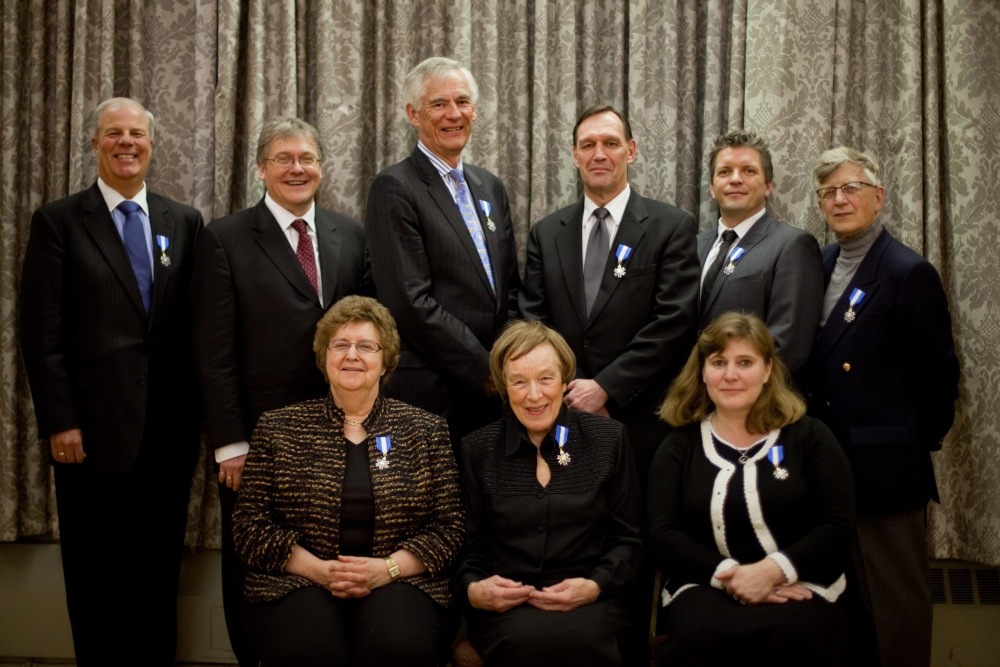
(62, 454)
(229, 476)
(736, 597)
(743, 603)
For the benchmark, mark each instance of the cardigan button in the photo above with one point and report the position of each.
(846, 367)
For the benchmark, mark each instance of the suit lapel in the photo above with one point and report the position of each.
(272, 241)
(630, 231)
(569, 247)
(442, 198)
(865, 279)
(758, 232)
(329, 254)
(161, 224)
(99, 224)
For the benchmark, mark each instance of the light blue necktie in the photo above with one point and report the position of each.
(472, 222)
(138, 253)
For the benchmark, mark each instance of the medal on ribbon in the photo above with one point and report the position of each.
(383, 444)
(776, 455)
(162, 242)
(857, 296)
(562, 436)
(622, 255)
(735, 255)
(485, 206)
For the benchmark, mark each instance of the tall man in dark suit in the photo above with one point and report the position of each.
(439, 234)
(263, 278)
(884, 378)
(106, 335)
(632, 327)
(752, 261)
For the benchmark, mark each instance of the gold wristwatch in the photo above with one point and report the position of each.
(392, 567)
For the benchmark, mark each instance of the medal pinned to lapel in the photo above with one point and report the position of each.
(857, 296)
(562, 436)
(776, 455)
(622, 255)
(383, 444)
(162, 242)
(735, 255)
(485, 206)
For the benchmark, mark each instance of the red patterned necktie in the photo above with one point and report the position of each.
(304, 251)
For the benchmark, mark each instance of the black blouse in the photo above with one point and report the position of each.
(585, 523)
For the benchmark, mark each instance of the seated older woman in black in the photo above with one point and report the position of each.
(349, 515)
(749, 510)
(553, 516)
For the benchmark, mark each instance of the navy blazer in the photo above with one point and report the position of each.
(779, 279)
(256, 313)
(429, 275)
(95, 360)
(886, 382)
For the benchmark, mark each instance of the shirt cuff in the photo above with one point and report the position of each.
(231, 451)
(791, 575)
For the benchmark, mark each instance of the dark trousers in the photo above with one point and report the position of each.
(122, 537)
(232, 585)
(397, 624)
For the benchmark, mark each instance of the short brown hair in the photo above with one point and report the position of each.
(353, 309)
(598, 109)
(688, 402)
(742, 139)
(518, 339)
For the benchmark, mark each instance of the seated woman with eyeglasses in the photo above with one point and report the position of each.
(749, 509)
(349, 514)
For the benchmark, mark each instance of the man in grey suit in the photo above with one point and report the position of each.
(106, 333)
(752, 261)
(439, 234)
(631, 328)
(263, 278)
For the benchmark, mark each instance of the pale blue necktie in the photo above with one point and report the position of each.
(138, 253)
(472, 222)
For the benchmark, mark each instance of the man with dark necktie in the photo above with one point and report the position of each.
(263, 278)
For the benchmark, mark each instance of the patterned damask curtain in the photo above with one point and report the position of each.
(912, 81)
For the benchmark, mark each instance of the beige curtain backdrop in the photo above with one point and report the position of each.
(913, 81)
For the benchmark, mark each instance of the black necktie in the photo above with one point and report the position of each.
(138, 253)
(728, 238)
(597, 257)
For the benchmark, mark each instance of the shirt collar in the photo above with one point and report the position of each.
(517, 435)
(442, 167)
(616, 207)
(743, 228)
(285, 217)
(112, 197)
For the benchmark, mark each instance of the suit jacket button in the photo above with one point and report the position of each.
(846, 367)
(586, 344)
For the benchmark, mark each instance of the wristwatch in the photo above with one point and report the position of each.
(390, 564)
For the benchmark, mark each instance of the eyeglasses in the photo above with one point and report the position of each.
(284, 161)
(341, 346)
(849, 190)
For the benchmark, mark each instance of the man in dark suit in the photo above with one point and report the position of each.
(884, 378)
(769, 268)
(106, 334)
(637, 332)
(439, 233)
(263, 278)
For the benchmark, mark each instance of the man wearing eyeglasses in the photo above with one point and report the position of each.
(263, 278)
(884, 377)
(752, 261)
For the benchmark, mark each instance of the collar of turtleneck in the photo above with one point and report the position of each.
(858, 245)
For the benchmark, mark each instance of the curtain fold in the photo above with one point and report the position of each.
(913, 82)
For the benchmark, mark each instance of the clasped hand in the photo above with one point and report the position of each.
(499, 594)
(761, 583)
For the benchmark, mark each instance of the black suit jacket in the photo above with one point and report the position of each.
(95, 361)
(779, 279)
(886, 383)
(641, 327)
(428, 273)
(256, 314)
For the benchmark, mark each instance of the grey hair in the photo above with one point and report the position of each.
(117, 102)
(285, 127)
(415, 83)
(833, 158)
(742, 139)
